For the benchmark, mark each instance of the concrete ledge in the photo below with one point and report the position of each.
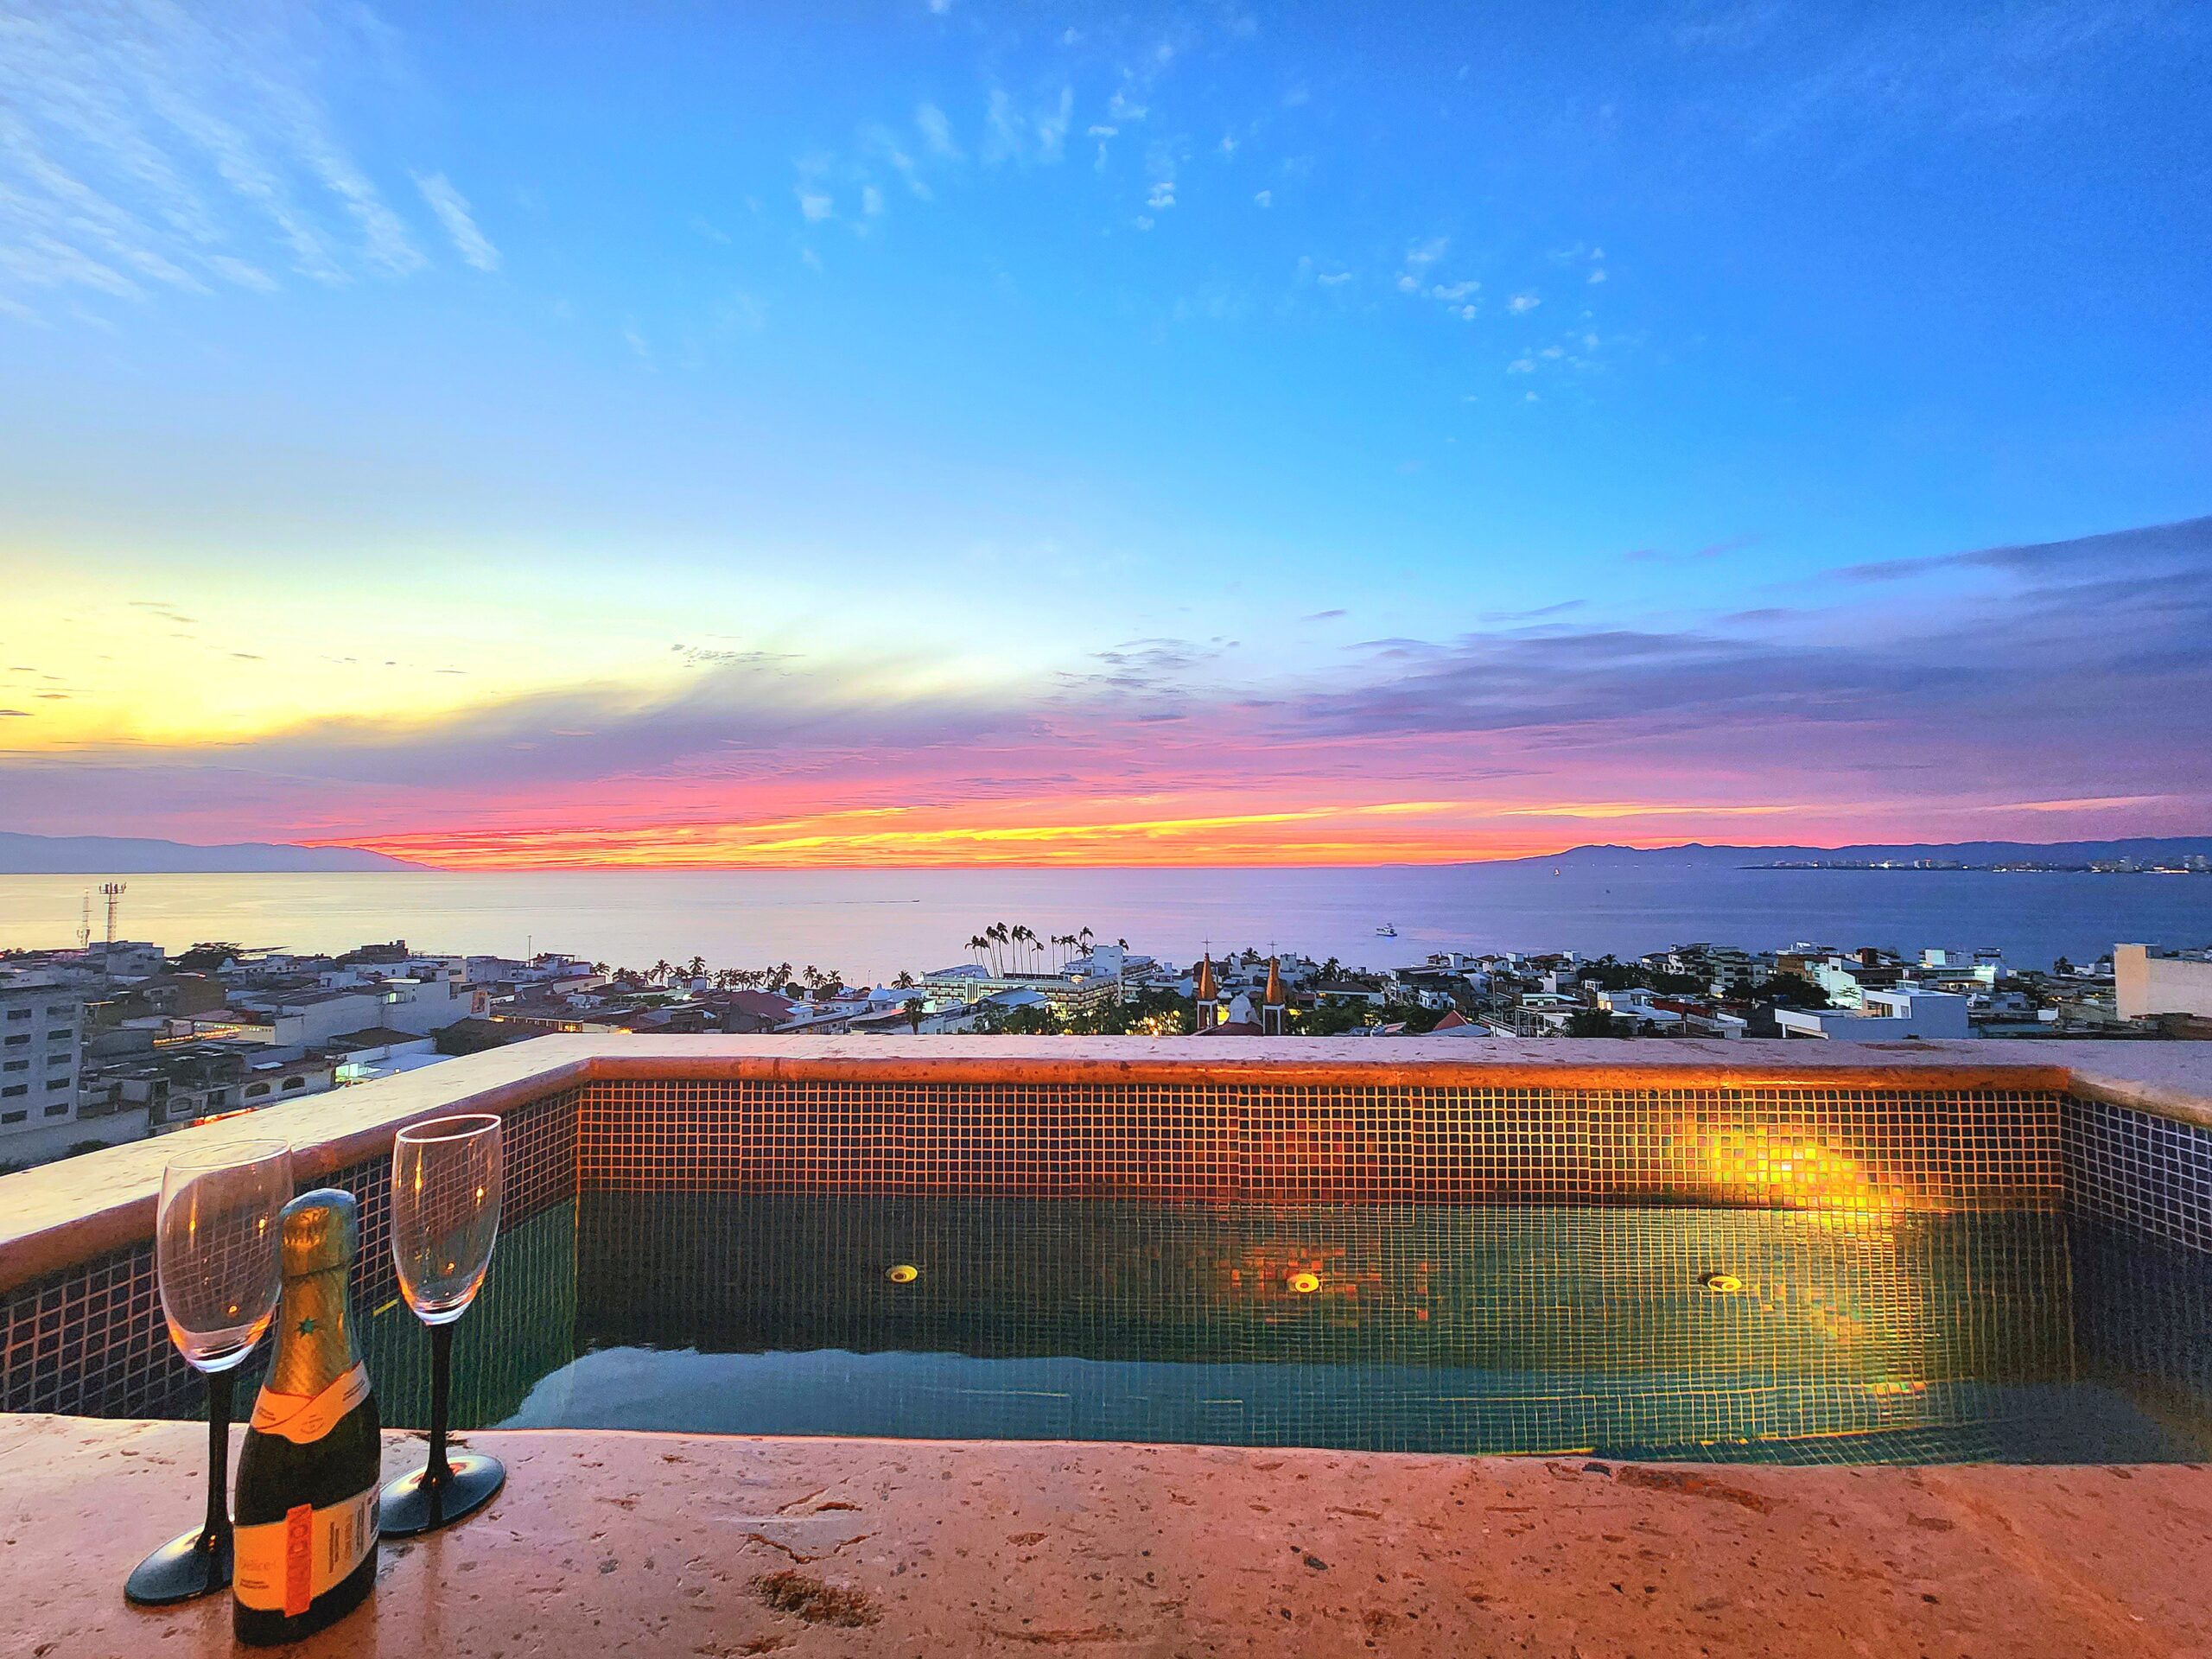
(53, 1217)
(647, 1544)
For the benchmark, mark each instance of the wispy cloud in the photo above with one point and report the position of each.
(163, 145)
(452, 209)
(1016, 132)
(936, 132)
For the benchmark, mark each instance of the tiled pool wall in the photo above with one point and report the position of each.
(1774, 1147)
(2142, 1172)
(91, 1340)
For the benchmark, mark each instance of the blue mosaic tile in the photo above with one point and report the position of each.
(2146, 1173)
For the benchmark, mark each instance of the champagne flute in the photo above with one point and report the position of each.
(215, 1255)
(445, 1217)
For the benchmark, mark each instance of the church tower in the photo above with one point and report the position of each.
(1205, 1000)
(1275, 1013)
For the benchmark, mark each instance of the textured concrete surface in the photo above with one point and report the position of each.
(67, 1212)
(646, 1544)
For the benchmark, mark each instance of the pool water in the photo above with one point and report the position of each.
(1663, 1332)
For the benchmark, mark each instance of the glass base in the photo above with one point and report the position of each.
(409, 1506)
(180, 1570)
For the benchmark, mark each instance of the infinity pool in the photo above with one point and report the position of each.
(1629, 1332)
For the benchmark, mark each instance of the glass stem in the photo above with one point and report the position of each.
(441, 1403)
(218, 1529)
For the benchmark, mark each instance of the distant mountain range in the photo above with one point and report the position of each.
(22, 854)
(1697, 856)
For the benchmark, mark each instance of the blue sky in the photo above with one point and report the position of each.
(969, 352)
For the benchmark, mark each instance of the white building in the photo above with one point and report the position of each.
(1634, 1009)
(41, 1050)
(1067, 993)
(1881, 1016)
(2146, 985)
(417, 1007)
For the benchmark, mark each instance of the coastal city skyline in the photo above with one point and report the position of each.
(949, 433)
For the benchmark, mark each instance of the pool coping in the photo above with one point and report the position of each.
(672, 1543)
(63, 1214)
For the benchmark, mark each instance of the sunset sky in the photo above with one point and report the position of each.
(949, 432)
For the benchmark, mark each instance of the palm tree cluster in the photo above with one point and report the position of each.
(1001, 949)
(781, 977)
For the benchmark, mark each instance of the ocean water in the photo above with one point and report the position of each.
(868, 925)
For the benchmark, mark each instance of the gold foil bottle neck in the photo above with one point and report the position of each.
(320, 1231)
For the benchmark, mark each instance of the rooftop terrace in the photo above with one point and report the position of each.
(728, 1544)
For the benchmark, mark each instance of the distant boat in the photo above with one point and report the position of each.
(1389, 929)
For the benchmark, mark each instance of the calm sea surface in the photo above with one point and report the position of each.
(870, 923)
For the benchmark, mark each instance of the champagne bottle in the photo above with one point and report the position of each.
(305, 1553)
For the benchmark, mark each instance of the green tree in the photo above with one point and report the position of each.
(1330, 1019)
(1610, 974)
(1789, 991)
(1017, 1022)
(209, 958)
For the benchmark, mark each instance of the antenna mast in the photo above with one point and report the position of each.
(85, 923)
(112, 892)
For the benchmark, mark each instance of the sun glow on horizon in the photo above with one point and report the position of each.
(1451, 832)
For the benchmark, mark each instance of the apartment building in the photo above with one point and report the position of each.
(42, 1051)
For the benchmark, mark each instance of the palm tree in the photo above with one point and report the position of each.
(1084, 936)
(697, 967)
(601, 969)
(661, 970)
(904, 982)
(977, 943)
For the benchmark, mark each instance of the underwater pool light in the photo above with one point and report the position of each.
(1725, 1284)
(904, 1274)
(1306, 1283)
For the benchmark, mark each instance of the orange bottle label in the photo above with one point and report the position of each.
(299, 1559)
(283, 1566)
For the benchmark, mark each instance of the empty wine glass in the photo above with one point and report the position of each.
(445, 1217)
(216, 1257)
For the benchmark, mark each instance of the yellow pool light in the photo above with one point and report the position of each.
(1306, 1283)
(1725, 1284)
(904, 1274)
